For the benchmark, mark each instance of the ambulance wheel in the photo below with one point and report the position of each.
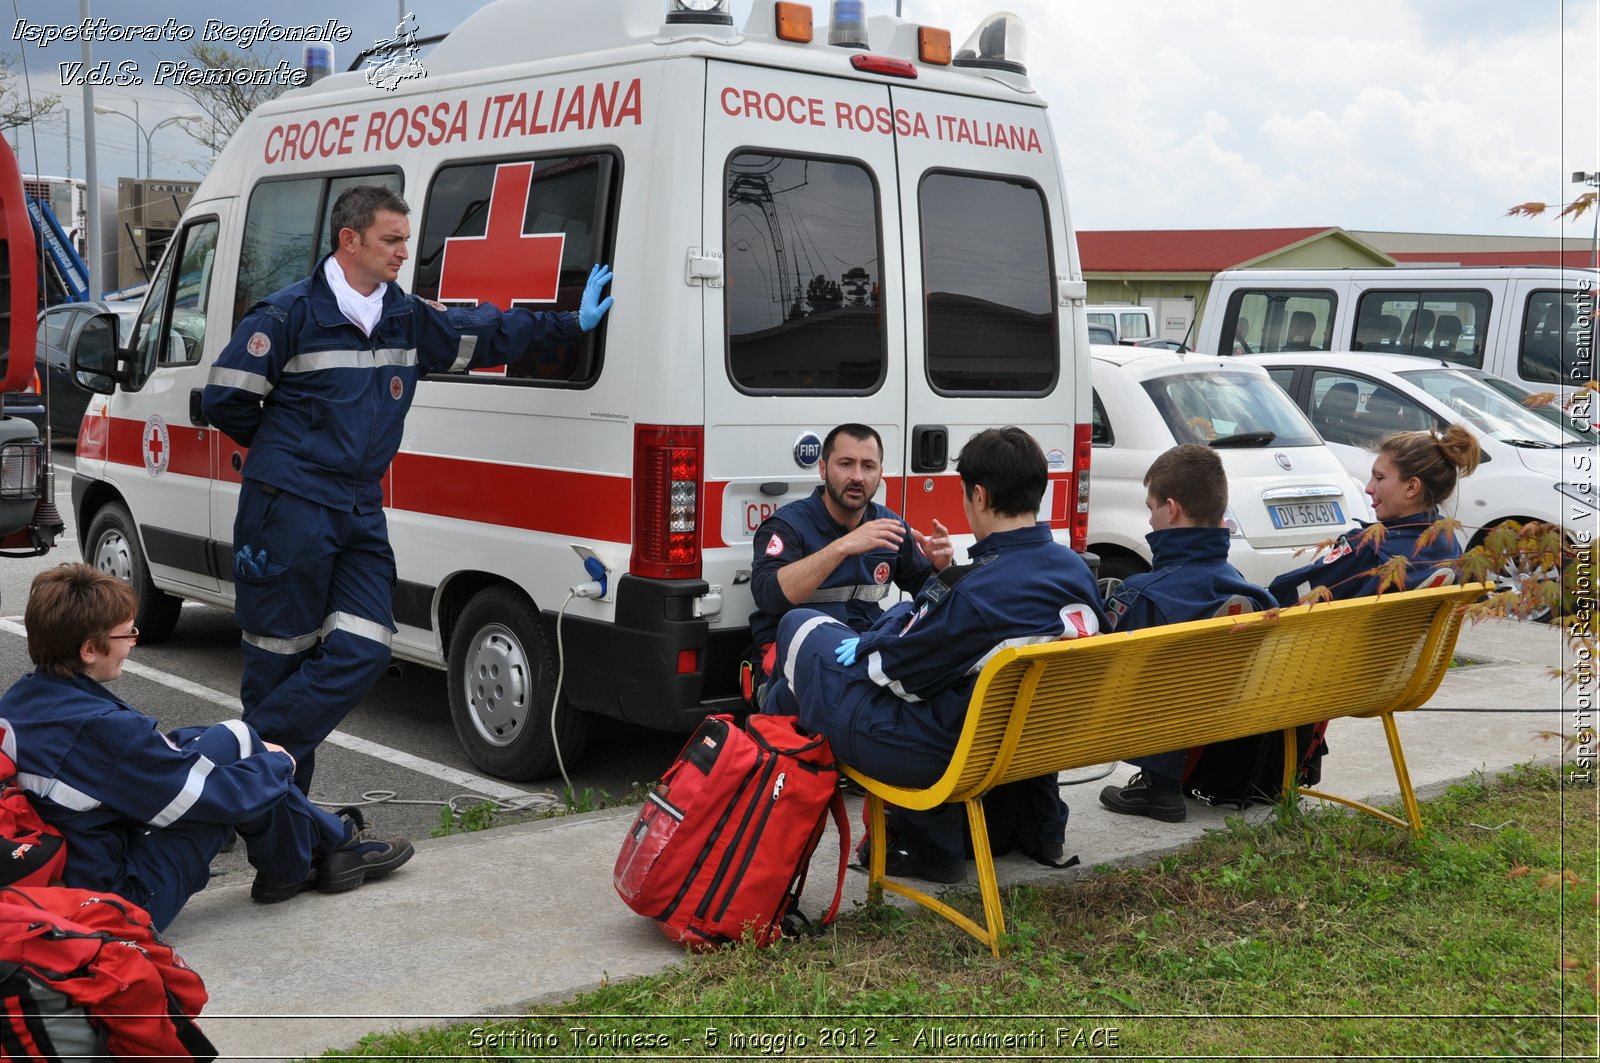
(1115, 569)
(502, 683)
(114, 548)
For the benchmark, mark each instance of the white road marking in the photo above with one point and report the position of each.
(476, 783)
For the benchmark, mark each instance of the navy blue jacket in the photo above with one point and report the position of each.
(852, 591)
(1346, 569)
(322, 406)
(1190, 579)
(101, 772)
(1021, 587)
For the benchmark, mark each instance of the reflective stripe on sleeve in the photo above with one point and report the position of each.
(192, 787)
(464, 351)
(792, 658)
(239, 380)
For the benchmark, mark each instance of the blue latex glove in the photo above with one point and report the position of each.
(593, 308)
(846, 653)
(250, 564)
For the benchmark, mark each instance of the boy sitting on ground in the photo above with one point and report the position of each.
(1190, 579)
(144, 813)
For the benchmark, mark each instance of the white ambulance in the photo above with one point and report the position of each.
(803, 233)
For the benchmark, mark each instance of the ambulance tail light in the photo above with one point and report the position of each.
(666, 501)
(1000, 43)
(847, 24)
(701, 12)
(1078, 496)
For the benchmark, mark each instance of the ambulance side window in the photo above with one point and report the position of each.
(987, 277)
(171, 326)
(286, 232)
(802, 255)
(522, 232)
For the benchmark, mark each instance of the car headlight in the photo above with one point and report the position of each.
(1583, 494)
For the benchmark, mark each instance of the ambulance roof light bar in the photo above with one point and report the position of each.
(999, 43)
(847, 24)
(702, 12)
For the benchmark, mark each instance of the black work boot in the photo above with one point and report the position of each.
(1141, 798)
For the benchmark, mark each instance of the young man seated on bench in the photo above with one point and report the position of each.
(892, 701)
(143, 812)
(1189, 579)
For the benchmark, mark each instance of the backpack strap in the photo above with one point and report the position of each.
(842, 822)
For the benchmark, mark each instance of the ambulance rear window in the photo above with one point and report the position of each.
(987, 292)
(286, 231)
(802, 259)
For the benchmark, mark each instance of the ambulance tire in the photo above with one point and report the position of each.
(114, 547)
(502, 675)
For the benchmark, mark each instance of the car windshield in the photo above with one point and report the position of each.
(1229, 408)
(1491, 412)
(1549, 410)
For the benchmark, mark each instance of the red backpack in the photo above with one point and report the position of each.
(85, 975)
(32, 852)
(722, 846)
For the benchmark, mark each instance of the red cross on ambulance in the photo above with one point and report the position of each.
(505, 265)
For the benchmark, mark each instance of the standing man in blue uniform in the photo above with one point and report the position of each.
(892, 701)
(143, 812)
(836, 550)
(1186, 492)
(317, 382)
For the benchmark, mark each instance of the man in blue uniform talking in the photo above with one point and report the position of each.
(892, 701)
(836, 550)
(317, 382)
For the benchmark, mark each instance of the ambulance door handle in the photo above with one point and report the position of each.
(197, 414)
(930, 448)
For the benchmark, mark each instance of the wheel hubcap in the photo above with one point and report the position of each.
(111, 555)
(498, 687)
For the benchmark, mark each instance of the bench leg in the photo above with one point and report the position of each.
(1408, 796)
(877, 835)
(988, 883)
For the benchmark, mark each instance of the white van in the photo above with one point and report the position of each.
(1128, 323)
(1533, 325)
(802, 235)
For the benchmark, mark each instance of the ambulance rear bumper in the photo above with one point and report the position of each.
(658, 665)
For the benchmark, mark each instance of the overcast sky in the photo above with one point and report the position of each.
(1413, 115)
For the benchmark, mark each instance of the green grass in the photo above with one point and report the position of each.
(1316, 934)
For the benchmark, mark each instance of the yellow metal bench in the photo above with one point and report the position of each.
(1044, 709)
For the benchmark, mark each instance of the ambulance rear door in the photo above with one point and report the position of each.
(987, 250)
(803, 321)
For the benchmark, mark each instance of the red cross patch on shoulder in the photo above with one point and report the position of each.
(259, 345)
(774, 546)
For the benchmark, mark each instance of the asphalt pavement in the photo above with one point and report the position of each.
(480, 925)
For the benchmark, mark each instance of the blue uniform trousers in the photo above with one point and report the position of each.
(872, 729)
(316, 615)
(166, 866)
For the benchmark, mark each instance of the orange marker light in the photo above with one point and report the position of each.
(933, 46)
(794, 22)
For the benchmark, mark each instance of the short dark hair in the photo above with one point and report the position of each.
(357, 206)
(859, 432)
(1193, 476)
(69, 605)
(1011, 467)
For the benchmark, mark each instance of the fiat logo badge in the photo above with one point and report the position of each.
(807, 450)
(1283, 460)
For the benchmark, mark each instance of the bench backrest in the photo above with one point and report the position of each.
(1046, 708)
